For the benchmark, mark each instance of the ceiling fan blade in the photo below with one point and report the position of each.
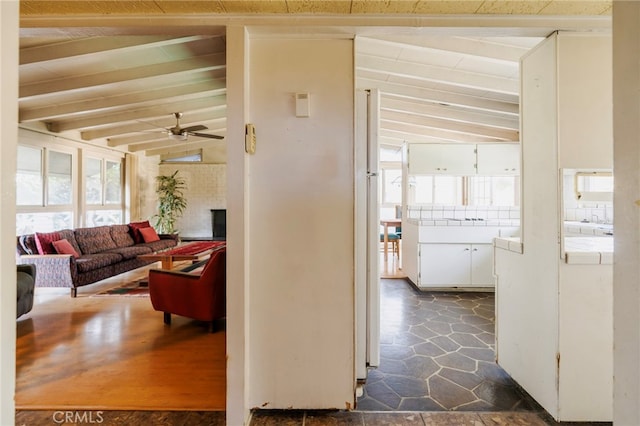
(206, 135)
(194, 128)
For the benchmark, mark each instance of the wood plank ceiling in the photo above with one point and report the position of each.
(125, 89)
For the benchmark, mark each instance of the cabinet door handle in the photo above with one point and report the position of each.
(466, 249)
(475, 249)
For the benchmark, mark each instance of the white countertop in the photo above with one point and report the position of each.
(588, 228)
(588, 250)
(577, 250)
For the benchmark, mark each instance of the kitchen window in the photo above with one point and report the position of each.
(492, 191)
(463, 190)
(435, 190)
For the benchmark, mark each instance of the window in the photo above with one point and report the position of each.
(103, 191)
(50, 194)
(29, 177)
(463, 190)
(492, 191)
(593, 186)
(435, 190)
(44, 195)
(191, 156)
(390, 188)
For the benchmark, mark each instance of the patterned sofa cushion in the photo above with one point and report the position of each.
(131, 252)
(90, 262)
(121, 235)
(163, 243)
(94, 240)
(135, 230)
(69, 235)
(44, 242)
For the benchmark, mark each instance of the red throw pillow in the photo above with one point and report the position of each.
(149, 234)
(64, 247)
(44, 240)
(135, 230)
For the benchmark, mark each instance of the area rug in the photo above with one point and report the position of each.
(138, 288)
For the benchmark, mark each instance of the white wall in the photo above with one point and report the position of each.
(301, 187)
(530, 317)
(8, 137)
(585, 110)
(206, 189)
(527, 283)
(147, 169)
(626, 267)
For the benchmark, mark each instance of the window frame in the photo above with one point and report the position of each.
(85, 208)
(77, 210)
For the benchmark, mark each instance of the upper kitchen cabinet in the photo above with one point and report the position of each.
(488, 159)
(498, 159)
(444, 159)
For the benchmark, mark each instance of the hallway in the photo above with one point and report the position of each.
(437, 354)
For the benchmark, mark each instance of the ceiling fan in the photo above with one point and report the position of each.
(182, 133)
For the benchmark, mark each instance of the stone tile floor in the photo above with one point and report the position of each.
(437, 354)
(364, 418)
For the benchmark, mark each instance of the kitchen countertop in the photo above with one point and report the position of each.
(577, 250)
(588, 228)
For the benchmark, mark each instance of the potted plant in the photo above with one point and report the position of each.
(171, 201)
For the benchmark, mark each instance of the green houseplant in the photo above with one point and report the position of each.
(171, 201)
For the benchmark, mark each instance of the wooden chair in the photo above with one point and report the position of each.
(394, 240)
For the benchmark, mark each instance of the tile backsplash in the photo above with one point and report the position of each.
(599, 213)
(463, 212)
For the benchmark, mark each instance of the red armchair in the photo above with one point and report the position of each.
(199, 296)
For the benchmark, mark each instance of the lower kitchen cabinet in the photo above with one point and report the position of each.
(455, 265)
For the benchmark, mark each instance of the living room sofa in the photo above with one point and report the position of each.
(87, 255)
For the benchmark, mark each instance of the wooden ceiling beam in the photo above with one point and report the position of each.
(441, 96)
(81, 83)
(129, 100)
(73, 48)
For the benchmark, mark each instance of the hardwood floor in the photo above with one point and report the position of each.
(392, 267)
(115, 353)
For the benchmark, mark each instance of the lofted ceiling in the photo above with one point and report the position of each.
(125, 89)
(122, 90)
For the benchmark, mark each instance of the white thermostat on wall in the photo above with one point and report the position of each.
(302, 104)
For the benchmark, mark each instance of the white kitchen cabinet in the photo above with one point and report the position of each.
(455, 265)
(498, 159)
(482, 265)
(437, 158)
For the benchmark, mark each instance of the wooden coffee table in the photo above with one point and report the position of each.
(195, 251)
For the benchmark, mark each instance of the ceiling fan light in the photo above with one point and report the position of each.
(178, 137)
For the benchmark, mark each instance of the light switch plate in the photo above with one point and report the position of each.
(250, 139)
(302, 104)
